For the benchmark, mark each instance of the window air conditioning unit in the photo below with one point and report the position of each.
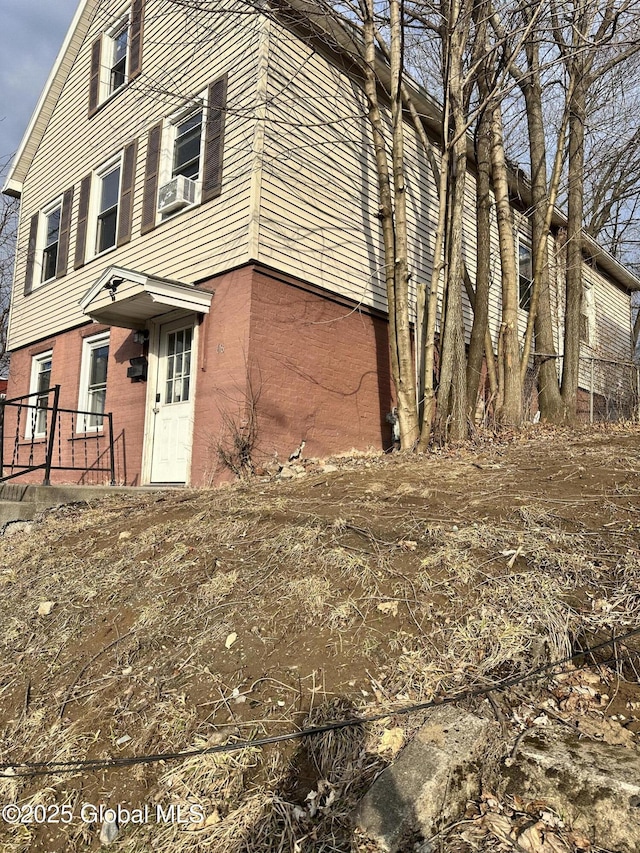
(179, 192)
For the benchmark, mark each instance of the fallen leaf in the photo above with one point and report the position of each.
(497, 824)
(608, 730)
(392, 739)
(531, 839)
(579, 839)
(389, 607)
(230, 640)
(553, 844)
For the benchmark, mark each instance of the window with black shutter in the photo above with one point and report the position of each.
(116, 56)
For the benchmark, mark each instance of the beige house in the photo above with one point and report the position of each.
(199, 250)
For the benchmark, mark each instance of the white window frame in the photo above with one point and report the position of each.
(524, 242)
(589, 311)
(31, 426)
(41, 243)
(94, 210)
(107, 50)
(167, 151)
(89, 345)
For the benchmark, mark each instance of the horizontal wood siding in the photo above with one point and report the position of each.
(183, 52)
(611, 346)
(319, 195)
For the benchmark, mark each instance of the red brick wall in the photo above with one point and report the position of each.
(221, 373)
(322, 371)
(319, 370)
(124, 398)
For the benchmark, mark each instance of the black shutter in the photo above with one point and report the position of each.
(214, 140)
(135, 38)
(65, 230)
(83, 214)
(150, 196)
(31, 253)
(125, 213)
(94, 79)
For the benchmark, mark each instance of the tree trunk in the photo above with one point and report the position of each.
(483, 262)
(510, 410)
(406, 380)
(549, 398)
(451, 413)
(395, 246)
(573, 303)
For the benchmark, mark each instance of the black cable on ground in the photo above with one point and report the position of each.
(44, 768)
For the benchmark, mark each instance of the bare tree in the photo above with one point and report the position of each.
(593, 38)
(8, 231)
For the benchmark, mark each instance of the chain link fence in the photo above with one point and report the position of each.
(609, 389)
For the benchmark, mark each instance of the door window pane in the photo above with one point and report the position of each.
(177, 385)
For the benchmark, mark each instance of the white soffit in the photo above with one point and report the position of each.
(129, 299)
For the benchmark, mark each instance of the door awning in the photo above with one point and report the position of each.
(129, 299)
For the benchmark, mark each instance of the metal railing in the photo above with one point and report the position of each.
(47, 437)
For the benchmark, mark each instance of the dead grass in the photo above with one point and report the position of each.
(256, 606)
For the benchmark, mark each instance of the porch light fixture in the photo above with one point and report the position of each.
(112, 285)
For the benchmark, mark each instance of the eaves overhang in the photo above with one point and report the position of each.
(129, 299)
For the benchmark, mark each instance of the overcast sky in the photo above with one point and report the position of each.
(32, 34)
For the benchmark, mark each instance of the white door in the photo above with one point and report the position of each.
(173, 410)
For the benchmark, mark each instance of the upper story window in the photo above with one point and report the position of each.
(108, 193)
(105, 208)
(180, 172)
(187, 147)
(525, 274)
(51, 238)
(116, 55)
(184, 157)
(119, 49)
(48, 246)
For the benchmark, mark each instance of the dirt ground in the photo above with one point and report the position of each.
(168, 622)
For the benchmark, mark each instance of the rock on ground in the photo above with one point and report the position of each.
(429, 783)
(594, 787)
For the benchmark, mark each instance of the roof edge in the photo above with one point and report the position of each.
(49, 96)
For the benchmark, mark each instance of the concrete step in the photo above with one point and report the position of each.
(20, 502)
(13, 511)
